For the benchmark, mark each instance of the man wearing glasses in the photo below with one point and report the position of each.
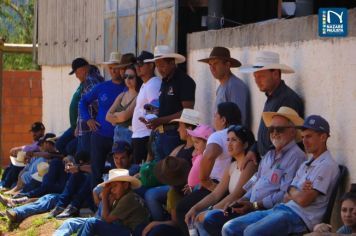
(149, 91)
(102, 131)
(276, 170)
(306, 200)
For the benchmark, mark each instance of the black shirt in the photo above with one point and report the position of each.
(175, 89)
(282, 96)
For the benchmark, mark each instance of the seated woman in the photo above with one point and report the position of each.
(215, 159)
(240, 139)
(348, 216)
(121, 111)
(172, 171)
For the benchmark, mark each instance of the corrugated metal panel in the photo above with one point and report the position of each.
(68, 29)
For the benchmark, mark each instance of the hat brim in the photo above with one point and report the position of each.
(135, 183)
(72, 72)
(247, 69)
(122, 65)
(186, 121)
(196, 135)
(178, 58)
(35, 176)
(234, 62)
(16, 163)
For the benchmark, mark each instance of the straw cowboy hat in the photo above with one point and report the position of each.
(126, 60)
(19, 160)
(42, 169)
(114, 58)
(172, 171)
(165, 51)
(286, 112)
(264, 61)
(221, 53)
(189, 116)
(123, 176)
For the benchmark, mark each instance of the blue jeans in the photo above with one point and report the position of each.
(100, 148)
(10, 176)
(43, 204)
(213, 222)
(67, 143)
(164, 143)
(280, 220)
(122, 134)
(155, 198)
(94, 226)
(70, 227)
(76, 191)
(84, 142)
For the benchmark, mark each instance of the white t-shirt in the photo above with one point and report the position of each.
(224, 159)
(148, 92)
(234, 173)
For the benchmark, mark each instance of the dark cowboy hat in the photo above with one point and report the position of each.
(172, 171)
(126, 60)
(221, 53)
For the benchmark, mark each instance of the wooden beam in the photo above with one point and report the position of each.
(16, 48)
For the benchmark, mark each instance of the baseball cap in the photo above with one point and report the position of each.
(317, 123)
(77, 63)
(120, 147)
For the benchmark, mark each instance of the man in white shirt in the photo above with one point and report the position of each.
(149, 91)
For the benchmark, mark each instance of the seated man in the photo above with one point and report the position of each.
(275, 173)
(11, 173)
(306, 199)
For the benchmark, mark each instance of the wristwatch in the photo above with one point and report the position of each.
(255, 205)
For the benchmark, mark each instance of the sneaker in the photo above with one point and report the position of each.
(11, 215)
(55, 211)
(70, 211)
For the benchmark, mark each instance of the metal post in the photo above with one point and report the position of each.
(1, 80)
(214, 14)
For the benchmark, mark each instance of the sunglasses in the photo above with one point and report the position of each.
(278, 129)
(127, 76)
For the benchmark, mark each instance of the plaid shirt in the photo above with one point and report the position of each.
(92, 79)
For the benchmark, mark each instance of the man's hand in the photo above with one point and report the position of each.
(322, 228)
(14, 151)
(286, 198)
(106, 191)
(153, 124)
(93, 124)
(246, 207)
(307, 185)
(250, 156)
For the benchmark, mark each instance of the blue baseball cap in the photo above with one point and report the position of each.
(316, 123)
(121, 147)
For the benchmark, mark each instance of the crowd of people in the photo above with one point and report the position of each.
(139, 156)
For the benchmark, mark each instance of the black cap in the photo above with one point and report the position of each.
(37, 126)
(77, 63)
(121, 147)
(46, 137)
(145, 56)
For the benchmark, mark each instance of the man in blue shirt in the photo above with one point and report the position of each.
(103, 131)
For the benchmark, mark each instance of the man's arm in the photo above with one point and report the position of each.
(302, 197)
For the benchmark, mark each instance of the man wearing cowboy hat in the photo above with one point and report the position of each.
(267, 71)
(177, 92)
(276, 170)
(231, 88)
(306, 200)
(149, 92)
(103, 131)
(123, 211)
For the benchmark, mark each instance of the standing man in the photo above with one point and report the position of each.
(177, 92)
(89, 76)
(149, 91)
(231, 88)
(307, 197)
(103, 131)
(267, 71)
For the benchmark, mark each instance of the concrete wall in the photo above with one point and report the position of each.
(324, 78)
(22, 105)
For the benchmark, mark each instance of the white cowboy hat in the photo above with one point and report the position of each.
(122, 175)
(189, 116)
(42, 169)
(286, 112)
(115, 58)
(264, 61)
(19, 160)
(165, 51)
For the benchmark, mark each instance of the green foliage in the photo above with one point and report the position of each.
(16, 26)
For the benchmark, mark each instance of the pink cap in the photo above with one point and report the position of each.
(201, 131)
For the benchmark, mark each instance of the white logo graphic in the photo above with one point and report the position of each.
(336, 14)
